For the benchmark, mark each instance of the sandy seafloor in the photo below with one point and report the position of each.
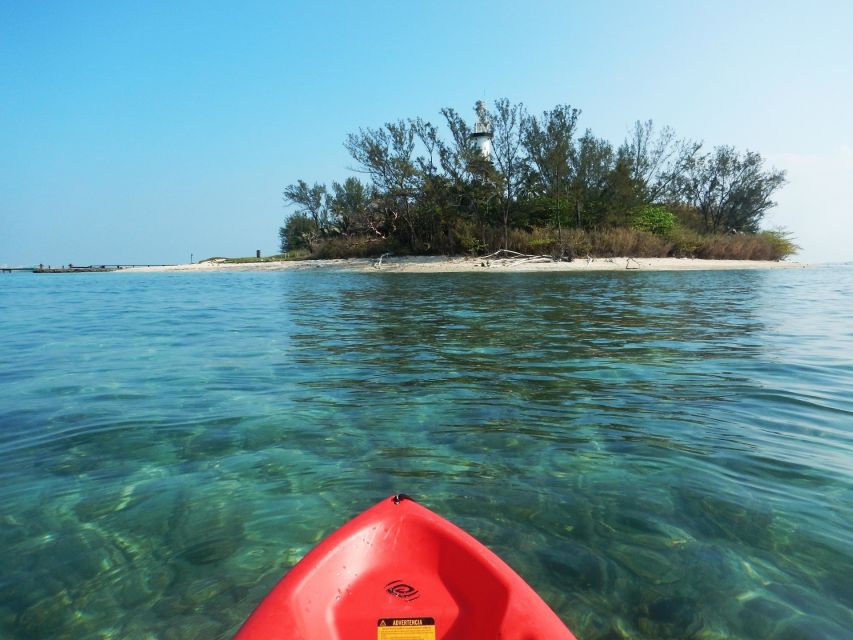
(660, 455)
(442, 264)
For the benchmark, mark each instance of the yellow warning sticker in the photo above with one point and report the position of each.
(405, 629)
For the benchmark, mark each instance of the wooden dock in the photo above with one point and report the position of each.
(70, 268)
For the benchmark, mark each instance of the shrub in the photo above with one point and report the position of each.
(624, 241)
(679, 241)
(579, 241)
(767, 245)
(353, 247)
(781, 242)
(538, 241)
(466, 237)
(652, 219)
(685, 242)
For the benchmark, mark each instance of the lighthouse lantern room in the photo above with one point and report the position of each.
(482, 134)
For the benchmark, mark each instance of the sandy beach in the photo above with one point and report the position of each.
(441, 264)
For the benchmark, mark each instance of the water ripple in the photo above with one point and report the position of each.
(660, 455)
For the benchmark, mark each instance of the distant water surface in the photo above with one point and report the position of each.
(661, 455)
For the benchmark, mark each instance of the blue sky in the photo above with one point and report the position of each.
(145, 132)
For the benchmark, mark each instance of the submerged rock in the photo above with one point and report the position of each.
(99, 504)
(677, 611)
(47, 617)
(201, 591)
(252, 561)
(805, 627)
(578, 569)
(143, 586)
(209, 550)
(155, 506)
(652, 566)
(73, 464)
(195, 627)
(763, 617)
(208, 530)
(213, 440)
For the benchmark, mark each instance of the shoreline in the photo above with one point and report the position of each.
(442, 264)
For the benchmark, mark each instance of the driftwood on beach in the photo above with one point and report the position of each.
(378, 263)
(514, 257)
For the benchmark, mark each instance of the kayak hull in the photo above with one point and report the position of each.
(399, 571)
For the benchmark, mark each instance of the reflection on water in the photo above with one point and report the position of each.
(659, 455)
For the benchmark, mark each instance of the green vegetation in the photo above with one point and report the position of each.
(293, 255)
(653, 219)
(544, 188)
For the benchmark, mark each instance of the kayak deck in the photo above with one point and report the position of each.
(399, 571)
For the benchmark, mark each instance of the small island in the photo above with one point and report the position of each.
(457, 264)
(522, 187)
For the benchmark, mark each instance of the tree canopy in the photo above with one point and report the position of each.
(424, 192)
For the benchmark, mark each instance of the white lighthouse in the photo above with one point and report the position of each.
(482, 135)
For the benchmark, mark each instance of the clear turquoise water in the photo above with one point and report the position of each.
(661, 455)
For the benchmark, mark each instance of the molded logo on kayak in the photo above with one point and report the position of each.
(402, 590)
(405, 629)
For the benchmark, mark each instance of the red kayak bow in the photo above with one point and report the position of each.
(398, 571)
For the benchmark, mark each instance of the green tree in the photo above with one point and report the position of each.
(299, 232)
(348, 205)
(621, 194)
(472, 179)
(427, 134)
(310, 201)
(385, 154)
(458, 157)
(508, 155)
(549, 143)
(731, 191)
(657, 160)
(592, 164)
